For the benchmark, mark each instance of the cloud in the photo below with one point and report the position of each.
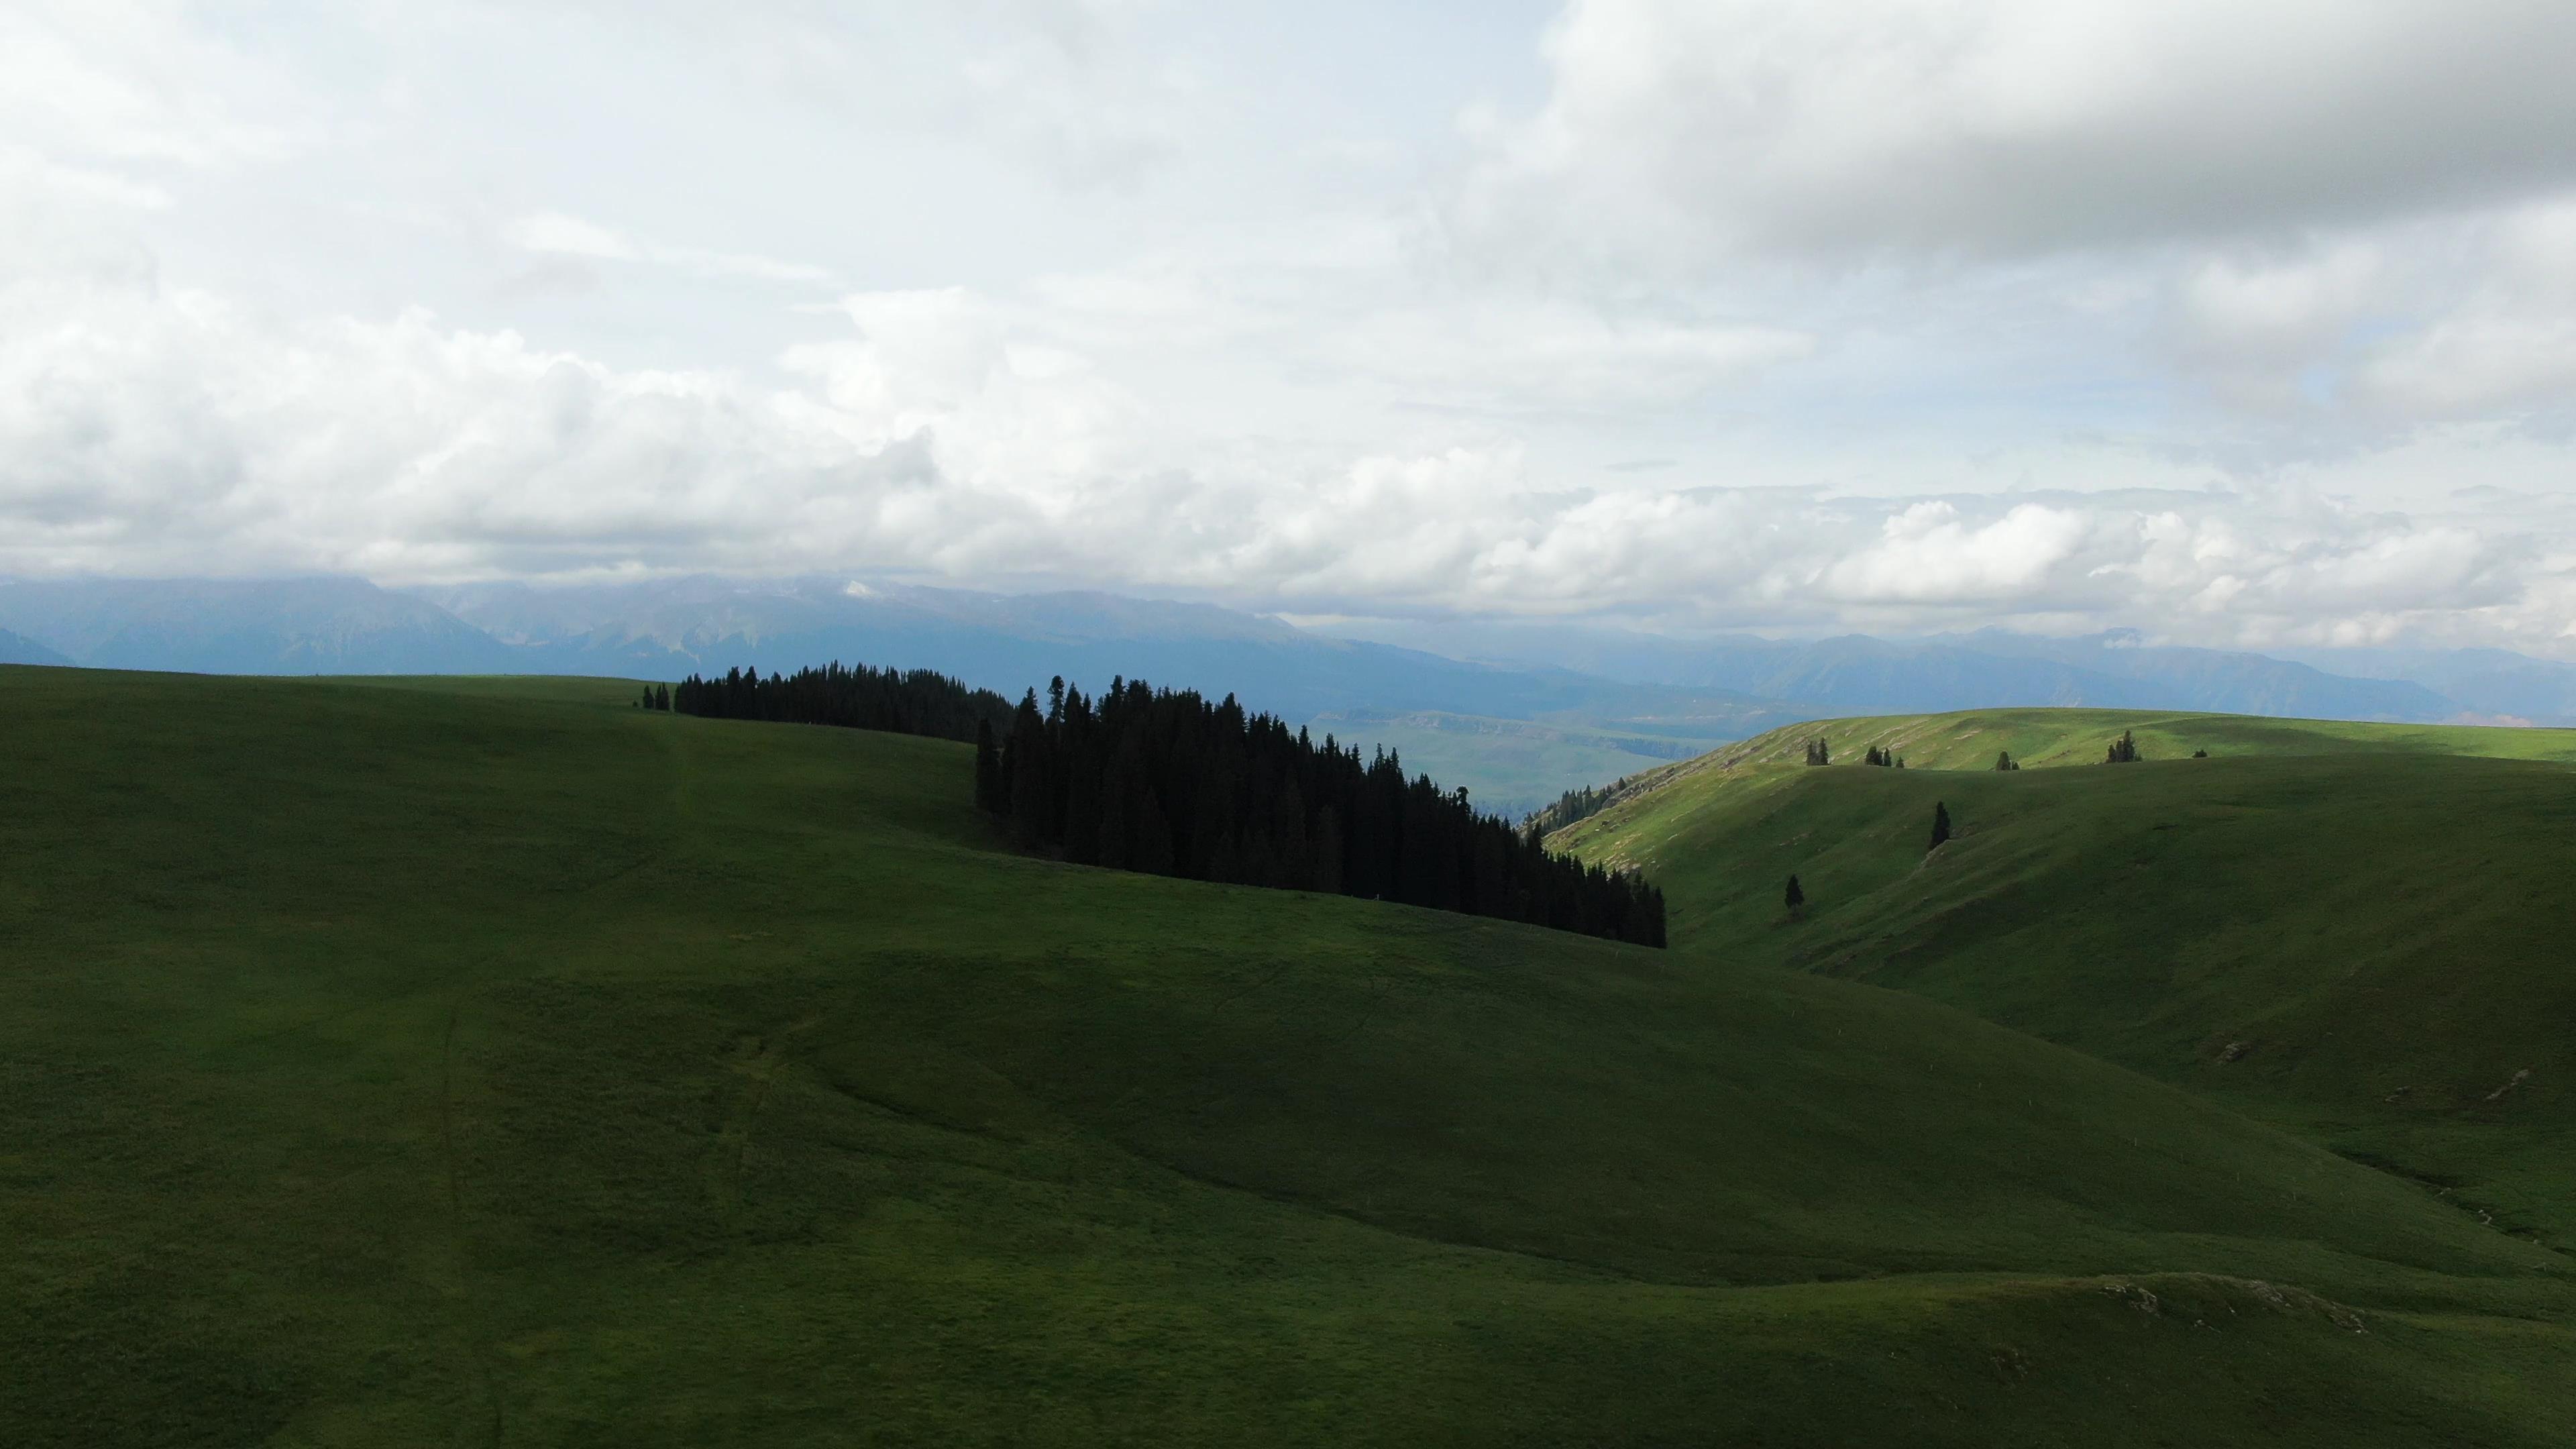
(158, 431)
(553, 234)
(114, 82)
(2466, 315)
(1905, 315)
(1927, 555)
(2003, 127)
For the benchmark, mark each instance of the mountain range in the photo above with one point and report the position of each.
(1603, 699)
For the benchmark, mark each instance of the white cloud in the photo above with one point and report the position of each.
(551, 233)
(1927, 555)
(2129, 314)
(2002, 126)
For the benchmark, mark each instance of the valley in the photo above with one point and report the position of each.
(491, 1061)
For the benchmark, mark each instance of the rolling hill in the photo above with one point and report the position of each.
(488, 1062)
(2352, 931)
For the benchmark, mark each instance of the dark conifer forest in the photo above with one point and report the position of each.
(1167, 782)
(918, 702)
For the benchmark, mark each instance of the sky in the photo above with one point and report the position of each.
(2248, 324)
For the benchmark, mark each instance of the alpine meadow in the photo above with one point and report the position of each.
(422, 1059)
(1592, 724)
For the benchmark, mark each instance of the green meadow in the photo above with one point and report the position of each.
(2357, 933)
(488, 1062)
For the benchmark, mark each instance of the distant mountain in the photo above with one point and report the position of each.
(19, 649)
(1857, 674)
(1590, 704)
(2493, 683)
(269, 626)
(668, 627)
(2227, 681)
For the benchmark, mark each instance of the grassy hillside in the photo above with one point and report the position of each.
(2041, 738)
(494, 1063)
(2361, 942)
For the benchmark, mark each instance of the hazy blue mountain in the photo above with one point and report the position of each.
(2231, 681)
(2492, 683)
(264, 626)
(665, 628)
(1515, 713)
(1857, 674)
(19, 649)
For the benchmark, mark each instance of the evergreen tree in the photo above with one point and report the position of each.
(2123, 750)
(918, 702)
(1794, 896)
(1940, 824)
(2004, 760)
(1024, 768)
(2200, 754)
(1168, 783)
(988, 769)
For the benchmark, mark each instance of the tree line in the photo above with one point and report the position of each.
(1167, 782)
(1582, 803)
(904, 702)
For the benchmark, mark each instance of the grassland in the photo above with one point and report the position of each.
(2355, 932)
(495, 1064)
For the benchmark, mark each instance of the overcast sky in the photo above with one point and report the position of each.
(2247, 322)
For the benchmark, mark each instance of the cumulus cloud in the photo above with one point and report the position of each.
(2011, 126)
(2128, 314)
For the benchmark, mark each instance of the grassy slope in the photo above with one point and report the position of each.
(2362, 942)
(2041, 738)
(498, 1064)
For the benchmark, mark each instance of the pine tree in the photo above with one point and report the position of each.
(1940, 824)
(2004, 760)
(2123, 750)
(1794, 896)
(988, 769)
(1025, 770)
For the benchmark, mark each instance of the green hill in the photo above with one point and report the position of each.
(2332, 925)
(488, 1062)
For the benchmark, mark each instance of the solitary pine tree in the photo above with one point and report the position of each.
(2123, 750)
(1940, 824)
(2004, 760)
(1794, 896)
